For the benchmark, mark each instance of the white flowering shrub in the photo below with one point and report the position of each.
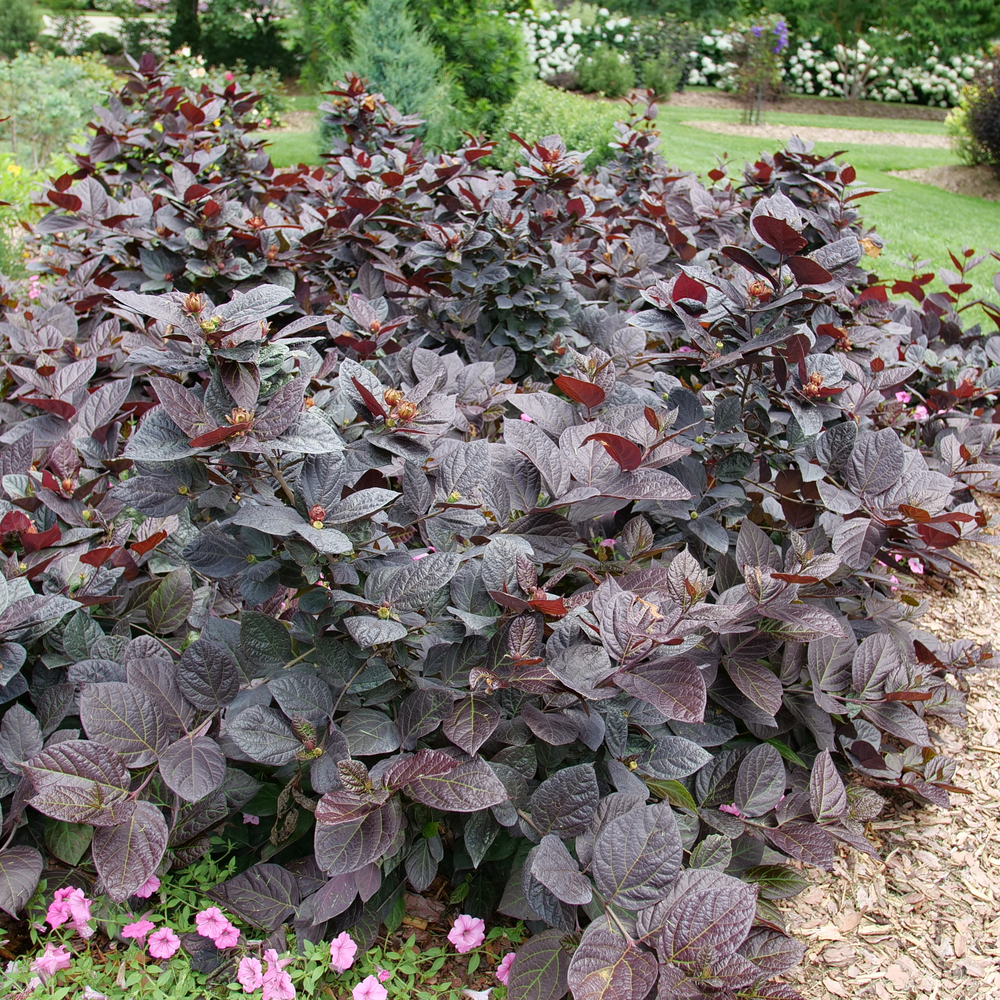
(557, 44)
(863, 71)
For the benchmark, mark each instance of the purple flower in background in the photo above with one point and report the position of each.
(757, 31)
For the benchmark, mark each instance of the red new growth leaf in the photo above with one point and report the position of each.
(141, 548)
(214, 437)
(36, 541)
(627, 455)
(68, 201)
(97, 557)
(778, 234)
(370, 401)
(550, 606)
(808, 272)
(587, 393)
(688, 288)
(193, 114)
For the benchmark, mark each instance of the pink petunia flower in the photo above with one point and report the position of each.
(228, 77)
(903, 397)
(732, 810)
(148, 888)
(369, 989)
(277, 984)
(527, 417)
(250, 974)
(468, 933)
(52, 960)
(138, 930)
(211, 922)
(916, 566)
(920, 413)
(608, 543)
(503, 969)
(229, 938)
(342, 952)
(70, 905)
(251, 820)
(383, 974)
(164, 943)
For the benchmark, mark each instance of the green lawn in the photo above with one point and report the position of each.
(913, 219)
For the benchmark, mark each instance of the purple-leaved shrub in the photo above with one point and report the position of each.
(537, 530)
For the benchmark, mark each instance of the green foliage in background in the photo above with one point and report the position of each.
(606, 72)
(538, 111)
(321, 33)
(401, 62)
(47, 99)
(485, 54)
(20, 24)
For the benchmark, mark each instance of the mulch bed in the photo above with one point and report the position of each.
(923, 923)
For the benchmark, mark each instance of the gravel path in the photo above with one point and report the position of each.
(922, 924)
(815, 133)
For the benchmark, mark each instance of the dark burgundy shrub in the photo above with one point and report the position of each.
(534, 530)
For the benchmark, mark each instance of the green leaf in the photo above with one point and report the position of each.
(67, 841)
(788, 753)
(674, 792)
(171, 603)
(264, 642)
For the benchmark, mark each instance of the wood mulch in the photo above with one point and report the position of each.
(923, 923)
(976, 182)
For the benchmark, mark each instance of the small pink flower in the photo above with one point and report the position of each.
(383, 974)
(251, 820)
(608, 543)
(277, 985)
(342, 952)
(34, 289)
(33, 983)
(229, 77)
(51, 961)
(211, 922)
(369, 989)
(468, 933)
(138, 930)
(916, 566)
(57, 914)
(250, 974)
(267, 122)
(732, 810)
(148, 888)
(527, 417)
(70, 905)
(903, 397)
(229, 938)
(920, 413)
(164, 943)
(503, 969)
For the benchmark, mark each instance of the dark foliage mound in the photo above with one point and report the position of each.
(537, 531)
(982, 100)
